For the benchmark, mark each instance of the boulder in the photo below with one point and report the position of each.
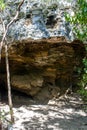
(44, 67)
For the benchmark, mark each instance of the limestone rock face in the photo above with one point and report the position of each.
(47, 65)
(44, 67)
(38, 19)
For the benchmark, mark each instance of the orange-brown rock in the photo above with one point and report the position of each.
(44, 67)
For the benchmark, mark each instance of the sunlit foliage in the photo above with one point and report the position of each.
(2, 5)
(79, 19)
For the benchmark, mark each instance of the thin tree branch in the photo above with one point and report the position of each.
(8, 76)
(2, 43)
(12, 21)
(9, 85)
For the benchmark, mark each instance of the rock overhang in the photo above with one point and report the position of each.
(44, 65)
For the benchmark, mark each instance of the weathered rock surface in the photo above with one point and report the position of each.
(46, 67)
(43, 68)
(38, 19)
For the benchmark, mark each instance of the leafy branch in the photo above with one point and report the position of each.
(79, 19)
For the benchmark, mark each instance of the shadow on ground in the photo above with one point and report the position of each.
(65, 113)
(51, 117)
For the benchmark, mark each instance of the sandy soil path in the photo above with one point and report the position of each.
(65, 113)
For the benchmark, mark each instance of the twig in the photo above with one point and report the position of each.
(5, 42)
(9, 24)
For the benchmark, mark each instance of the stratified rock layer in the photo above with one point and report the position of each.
(44, 67)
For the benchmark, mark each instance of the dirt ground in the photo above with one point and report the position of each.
(66, 113)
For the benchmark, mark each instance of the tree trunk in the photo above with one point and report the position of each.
(9, 85)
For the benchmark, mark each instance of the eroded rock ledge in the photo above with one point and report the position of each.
(43, 68)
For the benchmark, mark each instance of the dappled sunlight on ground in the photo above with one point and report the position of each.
(65, 113)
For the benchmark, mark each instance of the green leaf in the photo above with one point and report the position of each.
(79, 20)
(2, 5)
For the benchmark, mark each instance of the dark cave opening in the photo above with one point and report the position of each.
(28, 16)
(51, 21)
(14, 93)
(3, 90)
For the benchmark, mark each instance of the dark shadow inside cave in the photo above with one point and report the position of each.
(19, 98)
(51, 21)
(3, 91)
